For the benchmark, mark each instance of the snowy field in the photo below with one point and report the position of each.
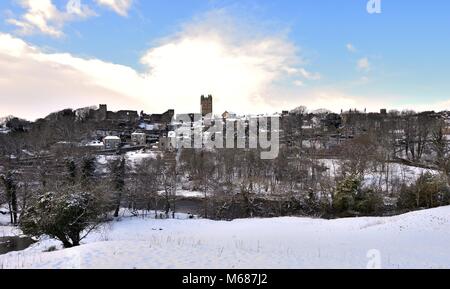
(415, 240)
(376, 176)
(132, 159)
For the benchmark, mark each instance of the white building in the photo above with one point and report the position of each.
(112, 142)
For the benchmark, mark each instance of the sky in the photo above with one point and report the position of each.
(253, 56)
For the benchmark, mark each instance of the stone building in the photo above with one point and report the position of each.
(112, 142)
(102, 114)
(165, 118)
(228, 115)
(206, 105)
(124, 116)
(139, 138)
(168, 143)
(157, 121)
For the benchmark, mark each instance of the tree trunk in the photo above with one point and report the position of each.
(65, 241)
(14, 206)
(75, 237)
(11, 195)
(10, 213)
(118, 202)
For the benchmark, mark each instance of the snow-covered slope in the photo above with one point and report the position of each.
(415, 240)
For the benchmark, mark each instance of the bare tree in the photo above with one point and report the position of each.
(11, 195)
(118, 170)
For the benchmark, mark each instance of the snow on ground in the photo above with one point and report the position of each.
(132, 158)
(190, 194)
(186, 194)
(8, 231)
(406, 174)
(415, 240)
(135, 158)
(4, 130)
(4, 218)
(5, 229)
(95, 143)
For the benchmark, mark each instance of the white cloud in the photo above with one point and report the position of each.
(203, 58)
(76, 8)
(309, 75)
(121, 7)
(34, 83)
(44, 17)
(301, 72)
(364, 64)
(240, 75)
(212, 56)
(351, 48)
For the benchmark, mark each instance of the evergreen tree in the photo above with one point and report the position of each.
(345, 194)
(71, 172)
(87, 171)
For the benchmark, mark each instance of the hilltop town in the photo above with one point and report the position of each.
(381, 153)
(408, 133)
(73, 173)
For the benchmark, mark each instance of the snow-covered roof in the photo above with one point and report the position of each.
(112, 138)
(149, 126)
(95, 144)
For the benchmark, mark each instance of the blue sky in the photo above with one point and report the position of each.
(398, 58)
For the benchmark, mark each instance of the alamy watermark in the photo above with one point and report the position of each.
(374, 7)
(260, 132)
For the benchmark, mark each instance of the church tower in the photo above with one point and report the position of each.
(206, 105)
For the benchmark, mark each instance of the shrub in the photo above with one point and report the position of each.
(63, 216)
(345, 194)
(51, 249)
(369, 202)
(351, 199)
(429, 191)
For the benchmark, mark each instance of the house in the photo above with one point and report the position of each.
(227, 115)
(112, 142)
(95, 144)
(139, 138)
(169, 142)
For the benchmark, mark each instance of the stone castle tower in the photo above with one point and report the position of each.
(102, 112)
(206, 105)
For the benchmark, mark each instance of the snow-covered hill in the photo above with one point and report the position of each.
(415, 240)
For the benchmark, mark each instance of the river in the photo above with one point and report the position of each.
(10, 244)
